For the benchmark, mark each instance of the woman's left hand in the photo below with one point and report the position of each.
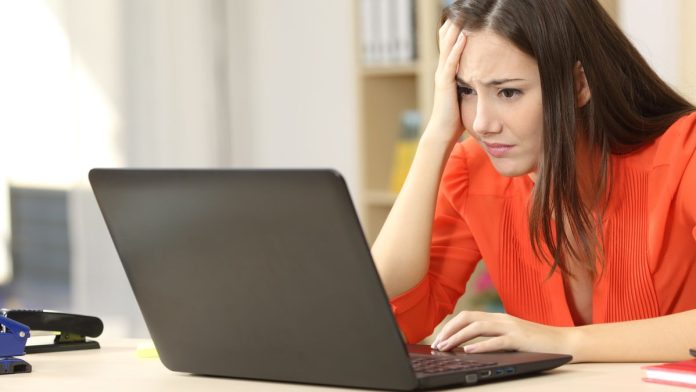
(505, 332)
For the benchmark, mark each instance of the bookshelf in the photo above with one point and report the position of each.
(385, 92)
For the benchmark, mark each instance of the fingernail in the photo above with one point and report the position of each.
(442, 346)
(470, 348)
(436, 341)
(461, 35)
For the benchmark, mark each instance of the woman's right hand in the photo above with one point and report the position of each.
(445, 121)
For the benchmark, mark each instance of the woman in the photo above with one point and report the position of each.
(576, 187)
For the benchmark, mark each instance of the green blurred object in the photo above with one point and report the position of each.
(484, 295)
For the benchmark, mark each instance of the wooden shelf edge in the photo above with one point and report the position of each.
(405, 69)
(380, 198)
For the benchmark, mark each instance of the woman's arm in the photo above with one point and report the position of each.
(401, 249)
(659, 339)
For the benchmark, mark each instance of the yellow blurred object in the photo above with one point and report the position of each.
(405, 149)
(403, 155)
(147, 350)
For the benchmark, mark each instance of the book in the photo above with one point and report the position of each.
(387, 32)
(368, 25)
(681, 373)
(405, 31)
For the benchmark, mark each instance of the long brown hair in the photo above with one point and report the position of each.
(630, 107)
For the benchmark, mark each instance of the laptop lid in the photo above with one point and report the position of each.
(254, 274)
(266, 274)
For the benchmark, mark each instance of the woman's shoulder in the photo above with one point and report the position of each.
(674, 147)
(677, 143)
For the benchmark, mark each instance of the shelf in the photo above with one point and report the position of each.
(380, 198)
(385, 92)
(405, 69)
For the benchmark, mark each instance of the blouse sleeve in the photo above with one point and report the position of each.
(453, 257)
(687, 190)
(680, 155)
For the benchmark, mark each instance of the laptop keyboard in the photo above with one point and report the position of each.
(430, 365)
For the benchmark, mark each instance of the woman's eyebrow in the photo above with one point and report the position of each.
(494, 82)
(497, 82)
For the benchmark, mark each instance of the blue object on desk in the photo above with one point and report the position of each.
(13, 340)
(72, 329)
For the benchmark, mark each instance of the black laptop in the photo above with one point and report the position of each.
(266, 274)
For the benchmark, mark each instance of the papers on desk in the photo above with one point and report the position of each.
(676, 373)
(42, 337)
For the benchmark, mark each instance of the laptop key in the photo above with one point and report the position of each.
(431, 365)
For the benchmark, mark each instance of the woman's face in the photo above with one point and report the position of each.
(500, 93)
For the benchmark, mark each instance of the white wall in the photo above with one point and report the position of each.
(654, 28)
(208, 83)
(34, 78)
(5, 261)
(98, 103)
(173, 77)
(664, 32)
(294, 70)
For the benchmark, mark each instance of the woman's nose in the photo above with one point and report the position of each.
(485, 119)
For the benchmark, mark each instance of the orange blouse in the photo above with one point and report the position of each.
(649, 240)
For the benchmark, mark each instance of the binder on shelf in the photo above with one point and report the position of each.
(384, 44)
(367, 34)
(405, 31)
(388, 31)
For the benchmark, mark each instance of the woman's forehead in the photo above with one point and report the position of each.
(489, 56)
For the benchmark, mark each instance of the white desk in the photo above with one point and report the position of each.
(115, 367)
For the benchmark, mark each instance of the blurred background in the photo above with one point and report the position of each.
(215, 83)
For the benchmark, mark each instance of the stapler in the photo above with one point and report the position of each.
(71, 329)
(13, 339)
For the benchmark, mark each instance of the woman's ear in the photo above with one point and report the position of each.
(582, 89)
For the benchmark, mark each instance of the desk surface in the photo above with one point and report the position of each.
(116, 367)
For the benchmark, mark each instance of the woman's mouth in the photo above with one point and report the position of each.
(498, 150)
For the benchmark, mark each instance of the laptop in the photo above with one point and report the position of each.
(266, 275)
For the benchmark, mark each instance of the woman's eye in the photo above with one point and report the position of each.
(463, 90)
(510, 92)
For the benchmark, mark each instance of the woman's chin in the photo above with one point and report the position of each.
(510, 169)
